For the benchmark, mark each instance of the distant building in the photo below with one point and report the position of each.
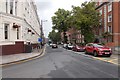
(109, 29)
(19, 25)
(74, 36)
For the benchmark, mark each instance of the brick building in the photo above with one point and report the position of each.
(109, 23)
(74, 36)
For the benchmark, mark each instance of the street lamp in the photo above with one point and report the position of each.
(41, 29)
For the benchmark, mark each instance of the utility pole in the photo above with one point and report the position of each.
(42, 34)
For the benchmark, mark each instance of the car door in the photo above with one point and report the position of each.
(91, 48)
(88, 48)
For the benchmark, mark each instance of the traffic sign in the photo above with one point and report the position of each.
(39, 39)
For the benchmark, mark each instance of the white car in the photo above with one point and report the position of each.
(70, 46)
(65, 46)
(51, 44)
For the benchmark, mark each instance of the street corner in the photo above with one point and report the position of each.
(113, 59)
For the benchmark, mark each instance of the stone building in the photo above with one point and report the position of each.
(19, 26)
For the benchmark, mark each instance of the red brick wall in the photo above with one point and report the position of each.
(119, 25)
(115, 22)
(13, 49)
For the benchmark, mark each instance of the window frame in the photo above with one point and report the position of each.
(6, 31)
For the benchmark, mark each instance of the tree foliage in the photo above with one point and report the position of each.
(83, 18)
(55, 36)
(61, 21)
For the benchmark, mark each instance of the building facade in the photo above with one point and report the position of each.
(73, 36)
(19, 26)
(109, 29)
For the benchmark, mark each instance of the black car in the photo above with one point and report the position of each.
(54, 46)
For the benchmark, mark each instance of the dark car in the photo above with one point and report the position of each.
(54, 46)
(98, 50)
(78, 48)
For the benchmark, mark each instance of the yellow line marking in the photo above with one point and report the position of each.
(113, 60)
(110, 61)
(43, 53)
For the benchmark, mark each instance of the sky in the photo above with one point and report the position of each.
(47, 8)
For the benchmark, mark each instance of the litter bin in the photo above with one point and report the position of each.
(28, 48)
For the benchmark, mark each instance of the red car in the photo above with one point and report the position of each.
(78, 48)
(98, 50)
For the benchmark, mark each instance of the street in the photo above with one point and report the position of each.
(62, 63)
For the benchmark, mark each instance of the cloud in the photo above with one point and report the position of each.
(43, 4)
(47, 8)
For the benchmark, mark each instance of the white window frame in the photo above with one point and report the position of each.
(18, 33)
(7, 31)
(11, 7)
(110, 29)
(109, 7)
(100, 11)
(110, 16)
(6, 6)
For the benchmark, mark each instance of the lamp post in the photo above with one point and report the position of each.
(42, 34)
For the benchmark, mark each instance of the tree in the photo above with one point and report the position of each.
(85, 19)
(55, 36)
(61, 21)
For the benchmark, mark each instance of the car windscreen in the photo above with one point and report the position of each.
(70, 45)
(96, 45)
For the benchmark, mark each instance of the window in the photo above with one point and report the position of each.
(110, 18)
(100, 12)
(16, 7)
(100, 2)
(17, 33)
(25, 8)
(6, 6)
(109, 7)
(109, 29)
(11, 6)
(6, 30)
(100, 21)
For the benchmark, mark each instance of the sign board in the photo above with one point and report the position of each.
(39, 39)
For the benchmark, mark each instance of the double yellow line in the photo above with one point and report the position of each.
(25, 60)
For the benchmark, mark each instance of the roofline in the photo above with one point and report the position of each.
(101, 5)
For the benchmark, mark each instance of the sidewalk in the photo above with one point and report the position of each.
(6, 59)
(116, 50)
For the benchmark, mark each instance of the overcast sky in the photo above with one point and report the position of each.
(47, 8)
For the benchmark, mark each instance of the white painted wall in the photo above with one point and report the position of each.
(26, 18)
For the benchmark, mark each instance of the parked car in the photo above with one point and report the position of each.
(54, 46)
(70, 46)
(65, 46)
(97, 49)
(51, 44)
(78, 48)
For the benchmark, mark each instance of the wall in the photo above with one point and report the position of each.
(13, 49)
(26, 17)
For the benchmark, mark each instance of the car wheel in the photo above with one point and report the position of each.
(86, 52)
(95, 54)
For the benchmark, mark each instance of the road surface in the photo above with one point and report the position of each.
(62, 63)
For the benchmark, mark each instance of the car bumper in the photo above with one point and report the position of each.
(105, 53)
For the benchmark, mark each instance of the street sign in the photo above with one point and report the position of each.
(39, 39)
